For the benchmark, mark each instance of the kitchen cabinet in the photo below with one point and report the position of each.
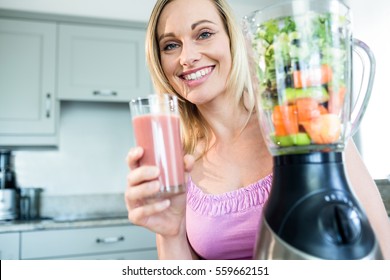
(28, 107)
(111, 242)
(101, 63)
(46, 58)
(9, 246)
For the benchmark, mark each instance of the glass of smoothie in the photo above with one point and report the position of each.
(156, 126)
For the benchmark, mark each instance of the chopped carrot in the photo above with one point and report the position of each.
(312, 77)
(307, 109)
(336, 100)
(322, 109)
(284, 118)
(325, 129)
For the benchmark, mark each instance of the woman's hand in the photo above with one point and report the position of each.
(162, 216)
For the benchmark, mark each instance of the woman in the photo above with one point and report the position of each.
(196, 51)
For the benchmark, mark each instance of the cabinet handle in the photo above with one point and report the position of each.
(48, 105)
(113, 239)
(104, 92)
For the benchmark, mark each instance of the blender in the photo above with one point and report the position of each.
(301, 58)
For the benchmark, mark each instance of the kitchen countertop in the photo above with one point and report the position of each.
(62, 223)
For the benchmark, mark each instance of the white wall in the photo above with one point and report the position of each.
(371, 24)
(95, 137)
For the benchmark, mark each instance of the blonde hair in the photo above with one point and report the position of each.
(194, 126)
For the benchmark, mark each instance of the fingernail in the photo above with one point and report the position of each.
(131, 153)
(135, 151)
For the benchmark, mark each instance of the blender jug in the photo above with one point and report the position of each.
(301, 62)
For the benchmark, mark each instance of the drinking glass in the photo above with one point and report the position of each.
(156, 126)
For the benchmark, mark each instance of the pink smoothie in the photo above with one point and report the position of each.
(159, 135)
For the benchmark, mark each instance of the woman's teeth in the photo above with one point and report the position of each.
(197, 75)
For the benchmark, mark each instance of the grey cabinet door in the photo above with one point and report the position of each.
(27, 78)
(79, 243)
(101, 63)
(9, 246)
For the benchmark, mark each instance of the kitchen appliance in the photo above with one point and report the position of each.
(30, 203)
(301, 55)
(8, 190)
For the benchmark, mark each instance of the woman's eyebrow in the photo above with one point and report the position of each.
(162, 36)
(193, 26)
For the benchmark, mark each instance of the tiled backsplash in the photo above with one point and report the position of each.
(78, 206)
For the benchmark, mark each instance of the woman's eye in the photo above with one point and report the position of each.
(205, 35)
(170, 46)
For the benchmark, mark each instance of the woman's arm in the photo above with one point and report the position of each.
(368, 195)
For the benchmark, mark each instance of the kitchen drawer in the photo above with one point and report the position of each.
(70, 243)
(149, 254)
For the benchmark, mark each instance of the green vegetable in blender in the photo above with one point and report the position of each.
(318, 93)
(299, 139)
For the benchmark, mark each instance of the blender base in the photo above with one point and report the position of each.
(271, 247)
(312, 213)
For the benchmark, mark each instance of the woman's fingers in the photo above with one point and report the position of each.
(141, 192)
(134, 156)
(142, 174)
(140, 215)
(143, 206)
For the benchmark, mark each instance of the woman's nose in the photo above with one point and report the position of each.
(189, 54)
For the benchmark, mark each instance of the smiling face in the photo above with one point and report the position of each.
(194, 49)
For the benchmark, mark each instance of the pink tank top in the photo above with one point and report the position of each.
(225, 226)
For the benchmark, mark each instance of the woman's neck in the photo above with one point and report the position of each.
(226, 119)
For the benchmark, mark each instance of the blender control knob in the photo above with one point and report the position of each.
(341, 223)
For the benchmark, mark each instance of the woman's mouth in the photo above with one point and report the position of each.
(197, 75)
